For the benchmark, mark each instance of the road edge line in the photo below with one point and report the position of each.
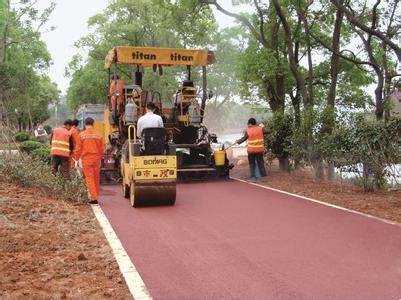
(133, 280)
(321, 202)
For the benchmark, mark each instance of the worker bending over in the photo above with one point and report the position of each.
(149, 120)
(62, 144)
(90, 150)
(256, 147)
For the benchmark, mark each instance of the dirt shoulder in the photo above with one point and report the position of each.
(53, 250)
(383, 204)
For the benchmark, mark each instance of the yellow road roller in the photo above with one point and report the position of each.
(149, 168)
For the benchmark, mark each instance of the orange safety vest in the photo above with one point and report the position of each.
(75, 135)
(255, 139)
(61, 142)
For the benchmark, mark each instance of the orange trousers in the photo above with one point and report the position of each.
(91, 170)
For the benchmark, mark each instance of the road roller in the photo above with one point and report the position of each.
(149, 168)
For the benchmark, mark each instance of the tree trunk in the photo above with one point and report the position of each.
(304, 91)
(310, 62)
(284, 164)
(30, 123)
(273, 45)
(4, 37)
(317, 160)
(366, 179)
(291, 57)
(295, 99)
(379, 95)
(318, 167)
(334, 71)
(280, 88)
(387, 85)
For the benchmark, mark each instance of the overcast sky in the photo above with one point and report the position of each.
(70, 19)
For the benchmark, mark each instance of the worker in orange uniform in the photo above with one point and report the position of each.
(90, 150)
(256, 147)
(116, 86)
(61, 147)
(75, 136)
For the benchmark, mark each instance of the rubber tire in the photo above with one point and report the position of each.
(126, 191)
(172, 202)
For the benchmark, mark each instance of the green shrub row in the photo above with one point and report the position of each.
(28, 146)
(31, 172)
(356, 143)
(36, 150)
(22, 136)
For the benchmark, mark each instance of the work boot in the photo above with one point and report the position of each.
(93, 202)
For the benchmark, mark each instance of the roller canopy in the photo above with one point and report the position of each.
(147, 57)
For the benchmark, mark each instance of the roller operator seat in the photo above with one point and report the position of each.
(154, 141)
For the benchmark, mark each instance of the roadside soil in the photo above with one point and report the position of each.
(383, 204)
(53, 250)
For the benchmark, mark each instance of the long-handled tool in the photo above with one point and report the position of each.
(231, 145)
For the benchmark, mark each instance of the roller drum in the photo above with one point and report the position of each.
(153, 193)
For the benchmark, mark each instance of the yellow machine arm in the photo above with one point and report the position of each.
(149, 56)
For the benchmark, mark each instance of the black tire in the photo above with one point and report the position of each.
(126, 191)
(172, 202)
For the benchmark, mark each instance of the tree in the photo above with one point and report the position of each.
(25, 90)
(277, 64)
(222, 78)
(148, 23)
(264, 54)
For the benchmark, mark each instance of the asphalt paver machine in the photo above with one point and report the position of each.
(184, 137)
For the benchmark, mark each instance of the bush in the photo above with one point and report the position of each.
(365, 148)
(280, 137)
(29, 146)
(279, 140)
(22, 137)
(42, 154)
(48, 129)
(22, 170)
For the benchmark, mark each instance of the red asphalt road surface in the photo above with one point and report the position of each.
(233, 240)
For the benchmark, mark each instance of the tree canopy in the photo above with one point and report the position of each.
(25, 89)
(316, 61)
(148, 23)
